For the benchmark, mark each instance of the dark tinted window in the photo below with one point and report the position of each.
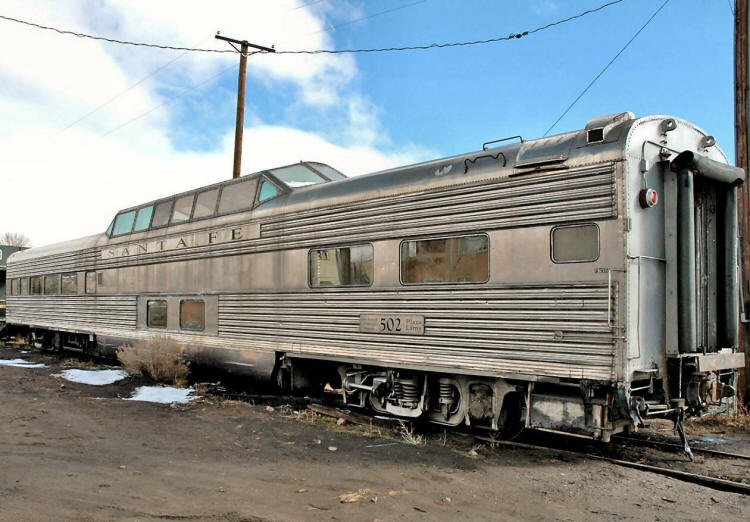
(346, 266)
(52, 284)
(575, 243)
(462, 259)
(161, 214)
(238, 196)
(192, 315)
(69, 283)
(157, 314)
(205, 205)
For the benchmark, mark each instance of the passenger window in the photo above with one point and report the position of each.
(52, 284)
(161, 214)
(124, 223)
(238, 196)
(69, 283)
(182, 209)
(575, 243)
(90, 282)
(156, 312)
(143, 220)
(192, 315)
(267, 191)
(205, 205)
(25, 286)
(462, 259)
(12, 284)
(346, 266)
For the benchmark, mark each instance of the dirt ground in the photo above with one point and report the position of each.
(79, 452)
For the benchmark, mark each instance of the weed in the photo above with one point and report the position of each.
(159, 358)
(409, 434)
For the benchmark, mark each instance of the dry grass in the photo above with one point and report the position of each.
(410, 436)
(356, 496)
(740, 420)
(159, 358)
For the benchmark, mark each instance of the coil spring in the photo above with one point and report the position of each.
(406, 391)
(446, 393)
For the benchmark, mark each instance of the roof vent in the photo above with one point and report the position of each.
(595, 135)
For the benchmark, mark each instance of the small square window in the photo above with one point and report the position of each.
(575, 243)
(156, 314)
(193, 315)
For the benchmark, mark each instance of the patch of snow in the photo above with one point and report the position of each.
(162, 394)
(93, 377)
(20, 363)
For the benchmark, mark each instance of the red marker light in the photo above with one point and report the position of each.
(648, 198)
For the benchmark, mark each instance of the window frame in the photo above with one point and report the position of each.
(575, 225)
(169, 200)
(193, 300)
(75, 278)
(44, 284)
(237, 181)
(433, 238)
(309, 271)
(265, 179)
(189, 218)
(86, 282)
(216, 203)
(166, 313)
(132, 225)
(41, 285)
(150, 219)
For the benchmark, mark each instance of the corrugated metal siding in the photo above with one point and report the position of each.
(557, 331)
(528, 199)
(75, 312)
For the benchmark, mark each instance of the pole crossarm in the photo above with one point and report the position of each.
(244, 43)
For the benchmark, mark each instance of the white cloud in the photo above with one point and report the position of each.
(61, 185)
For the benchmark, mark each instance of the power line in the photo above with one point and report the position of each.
(307, 4)
(511, 36)
(127, 89)
(373, 15)
(591, 83)
(113, 40)
(170, 100)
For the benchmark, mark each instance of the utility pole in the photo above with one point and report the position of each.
(240, 125)
(742, 149)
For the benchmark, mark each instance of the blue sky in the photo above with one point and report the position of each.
(452, 100)
(360, 113)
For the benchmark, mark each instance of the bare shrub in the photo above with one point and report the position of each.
(159, 358)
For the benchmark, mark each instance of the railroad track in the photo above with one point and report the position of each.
(551, 445)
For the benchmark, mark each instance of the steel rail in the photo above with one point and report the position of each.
(695, 478)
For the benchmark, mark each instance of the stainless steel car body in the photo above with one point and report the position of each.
(611, 320)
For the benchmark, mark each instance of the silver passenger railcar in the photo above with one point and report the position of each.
(576, 283)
